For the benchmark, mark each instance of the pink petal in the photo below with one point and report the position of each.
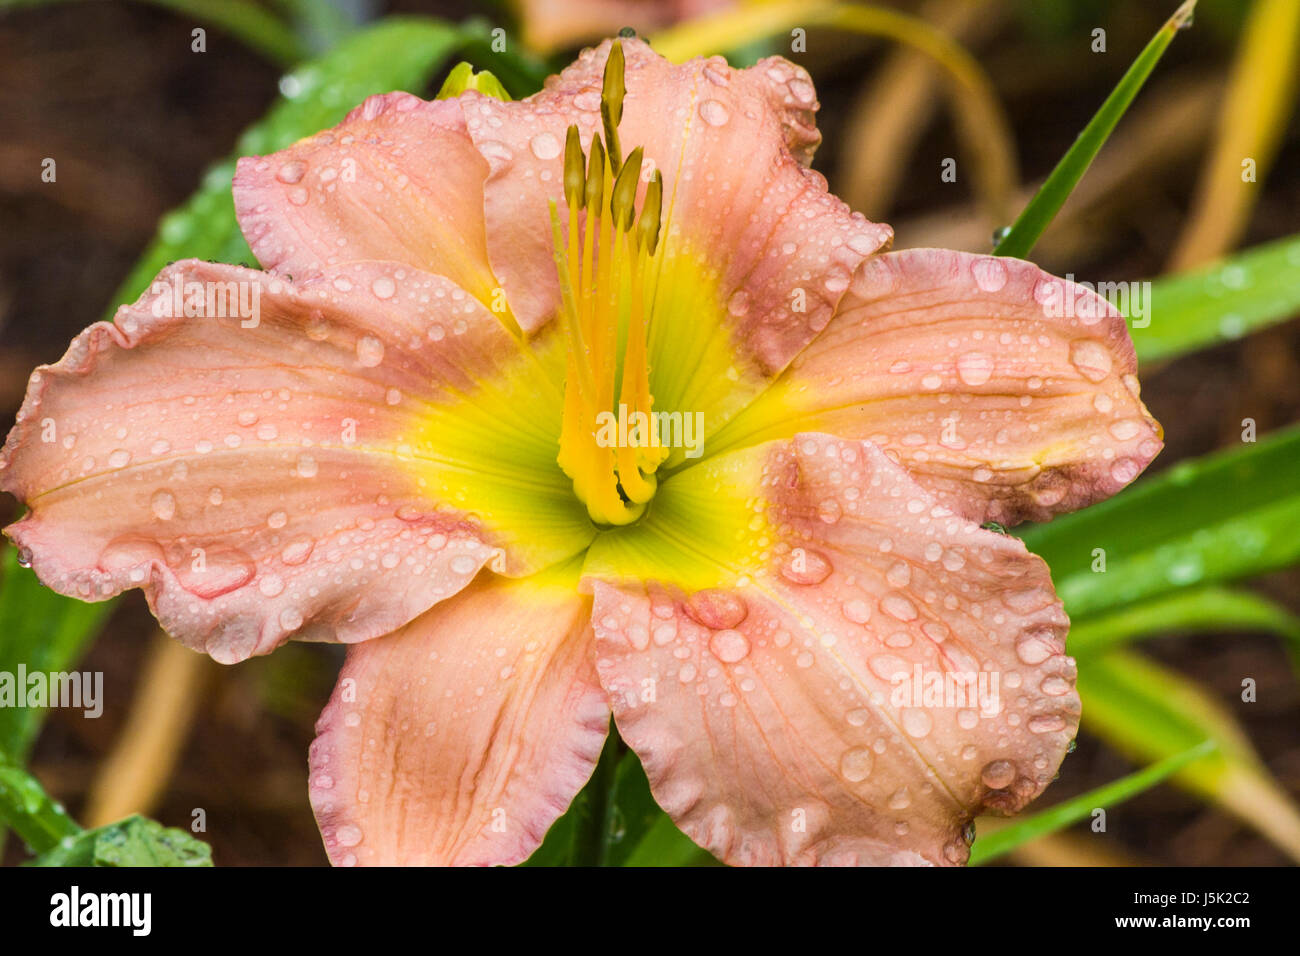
(766, 227)
(461, 738)
(765, 713)
(956, 365)
(398, 180)
(257, 482)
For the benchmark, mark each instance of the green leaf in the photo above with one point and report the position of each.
(397, 53)
(1042, 209)
(639, 833)
(1024, 830)
(1220, 302)
(43, 631)
(42, 823)
(1148, 712)
(614, 821)
(1197, 609)
(1213, 519)
(135, 841)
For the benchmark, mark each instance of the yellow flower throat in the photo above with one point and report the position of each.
(608, 270)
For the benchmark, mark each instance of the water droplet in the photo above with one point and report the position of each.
(163, 505)
(998, 774)
(306, 466)
(717, 609)
(916, 722)
(714, 113)
(297, 551)
(975, 368)
(1034, 649)
(899, 574)
(270, 585)
(1091, 358)
(220, 573)
(463, 564)
(545, 145)
(1055, 686)
(370, 351)
(119, 458)
(990, 274)
(802, 566)
(856, 764)
(858, 611)
(729, 646)
(1125, 429)
(277, 519)
(897, 606)
(1046, 723)
(1124, 470)
(291, 172)
(384, 288)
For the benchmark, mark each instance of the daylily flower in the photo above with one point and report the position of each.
(434, 442)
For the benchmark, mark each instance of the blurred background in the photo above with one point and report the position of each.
(135, 118)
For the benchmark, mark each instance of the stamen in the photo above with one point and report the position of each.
(611, 103)
(607, 266)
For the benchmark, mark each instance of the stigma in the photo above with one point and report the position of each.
(608, 269)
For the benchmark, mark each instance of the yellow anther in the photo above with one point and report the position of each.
(647, 227)
(575, 176)
(596, 175)
(622, 201)
(611, 103)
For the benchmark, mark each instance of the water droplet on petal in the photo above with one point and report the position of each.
(291, 172)
(1046, 723)
(990, 274)
(163, 505)
(975, 368)
(297, 551)
(729, 646)
(803, 566)
(545, 145)
(220, 573)
(717, 609)
(856, 764)
(916, 722)
(1091, 358)
(370, 351)
(998, 774)
(714, 113)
